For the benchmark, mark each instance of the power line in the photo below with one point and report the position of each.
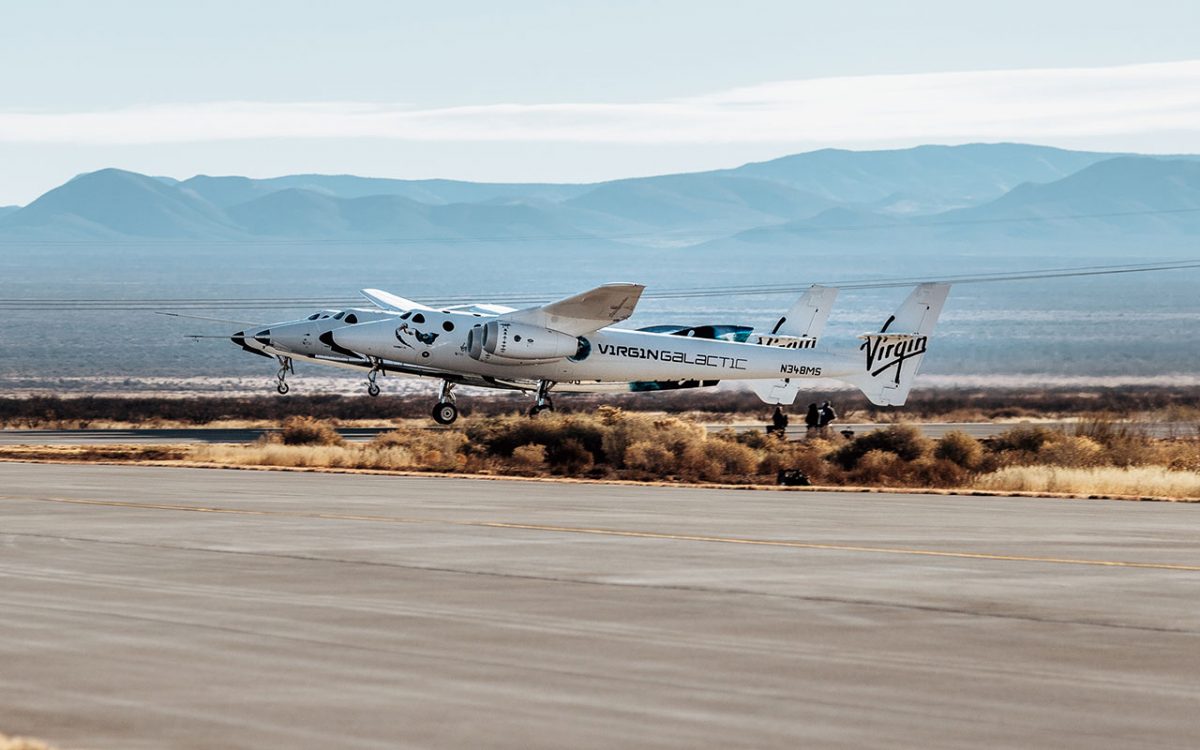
(276, 303)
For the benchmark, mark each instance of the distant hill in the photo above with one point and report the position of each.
(115, 203)
(229, 191)
(1132, 203)
(297, 213)
(931, 178)
(976, 197)
(1122, 194)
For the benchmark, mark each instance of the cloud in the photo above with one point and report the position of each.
(1034, 104)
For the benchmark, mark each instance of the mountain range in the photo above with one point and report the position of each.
(984, 195)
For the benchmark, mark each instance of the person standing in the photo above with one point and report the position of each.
(779, 423)
(812, 420)
(827, 416)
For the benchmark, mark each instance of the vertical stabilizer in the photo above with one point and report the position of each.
(891, 357)
(799, 328)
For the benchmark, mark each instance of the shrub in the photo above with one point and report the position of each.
(960, 449)
(532, 456)
(902, 440)
(651, 458)
(1023, 439)
(878, 467)
(439, 450)
(1071, 451)
(732, 460)
(500, 436)
(308, 431)
(569, 457)
(936, 472)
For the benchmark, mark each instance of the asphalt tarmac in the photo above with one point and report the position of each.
(183, 608)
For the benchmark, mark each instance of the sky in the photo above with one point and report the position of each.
(572, 91)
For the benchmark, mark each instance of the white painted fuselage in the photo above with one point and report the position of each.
(440, 341)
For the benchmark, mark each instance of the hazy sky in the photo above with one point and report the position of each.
(569, 90)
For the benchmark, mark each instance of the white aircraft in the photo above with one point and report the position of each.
(570, 346)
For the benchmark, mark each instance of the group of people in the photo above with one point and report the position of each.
(817, 420)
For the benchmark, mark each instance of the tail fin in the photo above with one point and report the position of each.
(893, 356)
(799, 328)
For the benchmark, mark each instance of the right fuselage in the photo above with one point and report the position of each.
(440, 340)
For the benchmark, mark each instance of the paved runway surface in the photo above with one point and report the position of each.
(363, 434)
(172, 608)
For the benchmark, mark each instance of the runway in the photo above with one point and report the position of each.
(159, 607)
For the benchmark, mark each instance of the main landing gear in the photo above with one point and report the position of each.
(445, 412)
(542, 402)
(376, 367)
(285, 366)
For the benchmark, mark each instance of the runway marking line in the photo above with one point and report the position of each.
(625, 533)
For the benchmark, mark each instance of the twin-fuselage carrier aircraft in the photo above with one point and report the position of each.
(571, 346)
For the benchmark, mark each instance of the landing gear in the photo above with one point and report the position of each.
(445, 412)
(285, 366)
(372, 388)
(542, 402)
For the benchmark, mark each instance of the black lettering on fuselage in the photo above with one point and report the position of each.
(668, 355)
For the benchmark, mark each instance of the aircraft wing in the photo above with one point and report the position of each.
(389, 301)
(585, 312)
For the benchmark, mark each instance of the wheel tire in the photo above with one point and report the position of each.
(372, 390)
(445, 413)
(535, 410)
(282, 388)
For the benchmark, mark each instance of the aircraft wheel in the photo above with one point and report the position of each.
(372, 390)
(282, 388)
(445, 413)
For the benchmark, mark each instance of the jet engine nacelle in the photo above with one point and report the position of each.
(500, 340)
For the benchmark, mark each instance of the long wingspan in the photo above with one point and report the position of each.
(389, 301)
(585, 312)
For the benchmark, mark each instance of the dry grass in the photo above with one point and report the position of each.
(1096, 457)
(1142, 481)
(22, 743)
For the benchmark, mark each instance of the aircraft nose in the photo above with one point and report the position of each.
(239, 338)
(290, 337)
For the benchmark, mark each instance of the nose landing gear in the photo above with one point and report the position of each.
(445, 412)
(372, 388)
(542, 400)
(285, 366)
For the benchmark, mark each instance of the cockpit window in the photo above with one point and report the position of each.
(418, 318)
(351, 318)
(314, 316)
(405, 315)
(338, 316)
